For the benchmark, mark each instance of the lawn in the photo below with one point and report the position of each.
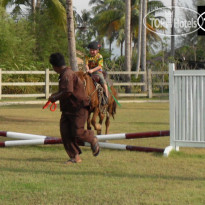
(37, 174)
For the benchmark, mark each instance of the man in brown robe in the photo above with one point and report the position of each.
(74, 105)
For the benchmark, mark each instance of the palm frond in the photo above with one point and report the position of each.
(57, 11)
(7, 2)
(152, 5)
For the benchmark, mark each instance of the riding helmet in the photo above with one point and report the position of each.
(94, 45)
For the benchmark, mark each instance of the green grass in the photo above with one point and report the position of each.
(37, 174)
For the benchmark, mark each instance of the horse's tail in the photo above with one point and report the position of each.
(114, 107)
(114, 102)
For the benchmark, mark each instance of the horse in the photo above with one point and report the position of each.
(95, 94)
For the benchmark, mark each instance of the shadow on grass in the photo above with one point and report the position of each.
(143, 108)
(20, 120)
(33, 159)
(181, 154)
(92, 173)
(43, 148)
(143, 123)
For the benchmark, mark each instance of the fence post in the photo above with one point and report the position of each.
(47, 83)
(149, 83)
(172, 104)
(0, 82)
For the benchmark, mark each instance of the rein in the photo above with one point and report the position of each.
(96, 88)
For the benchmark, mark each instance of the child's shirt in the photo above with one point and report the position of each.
(94, 61)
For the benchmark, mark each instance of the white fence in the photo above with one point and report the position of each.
(117, 83)
(187, 108)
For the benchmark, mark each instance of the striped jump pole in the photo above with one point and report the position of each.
(134, 135)
(23, 136)
(100, 137)
(59, 141)
(128, 147)
(13, 143)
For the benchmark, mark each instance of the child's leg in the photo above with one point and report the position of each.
(106, 89)
(103, 83)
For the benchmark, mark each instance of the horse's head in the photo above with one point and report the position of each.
(81, 75)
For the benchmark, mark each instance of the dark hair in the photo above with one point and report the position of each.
(57, 59)
(94, 45)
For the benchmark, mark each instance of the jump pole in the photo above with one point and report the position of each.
(162, 133)
(128, 147)
(23, 136)
(136, 135)
(59, 141)
(13, 143)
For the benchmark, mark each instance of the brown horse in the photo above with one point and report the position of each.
(95, 104)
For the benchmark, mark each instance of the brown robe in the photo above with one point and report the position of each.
(74, 107)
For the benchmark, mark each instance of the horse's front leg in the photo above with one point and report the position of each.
(96, 126)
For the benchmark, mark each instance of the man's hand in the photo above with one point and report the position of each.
(52, 98)
(56, 96)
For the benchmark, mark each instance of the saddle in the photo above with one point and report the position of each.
(101, 94)
(96, 79)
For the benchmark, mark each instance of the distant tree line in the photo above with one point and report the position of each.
(29, 34)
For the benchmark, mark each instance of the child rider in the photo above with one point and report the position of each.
(94, 64)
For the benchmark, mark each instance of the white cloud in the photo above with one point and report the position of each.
(81, 5)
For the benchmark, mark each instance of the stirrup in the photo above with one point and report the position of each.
(105, 100)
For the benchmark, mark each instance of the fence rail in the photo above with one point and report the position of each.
(151, 84)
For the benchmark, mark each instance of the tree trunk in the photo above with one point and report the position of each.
(131, 34)
(139, 40)
(38, 4)
(110, 46)
(144, 43)
(172, 31)
(71, 36)
(121, 48)
(128, 43)
(33, 4)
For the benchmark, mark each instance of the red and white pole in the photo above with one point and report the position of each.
(23, 136)
(59, 141)
(128, 147)
(13, 143)
(134, 135)
(162, 133)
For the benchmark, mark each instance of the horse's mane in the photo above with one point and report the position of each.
(89, 85)
(80, 74)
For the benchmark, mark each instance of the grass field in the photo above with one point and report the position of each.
(37, 174)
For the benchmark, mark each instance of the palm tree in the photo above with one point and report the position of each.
(71, 35)
(144, 45)
(57, 12)
(120, 39)
(54, 8)
(128, 41)
(172, 31)
(108, 18)
(139, 43)
(84, 28)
